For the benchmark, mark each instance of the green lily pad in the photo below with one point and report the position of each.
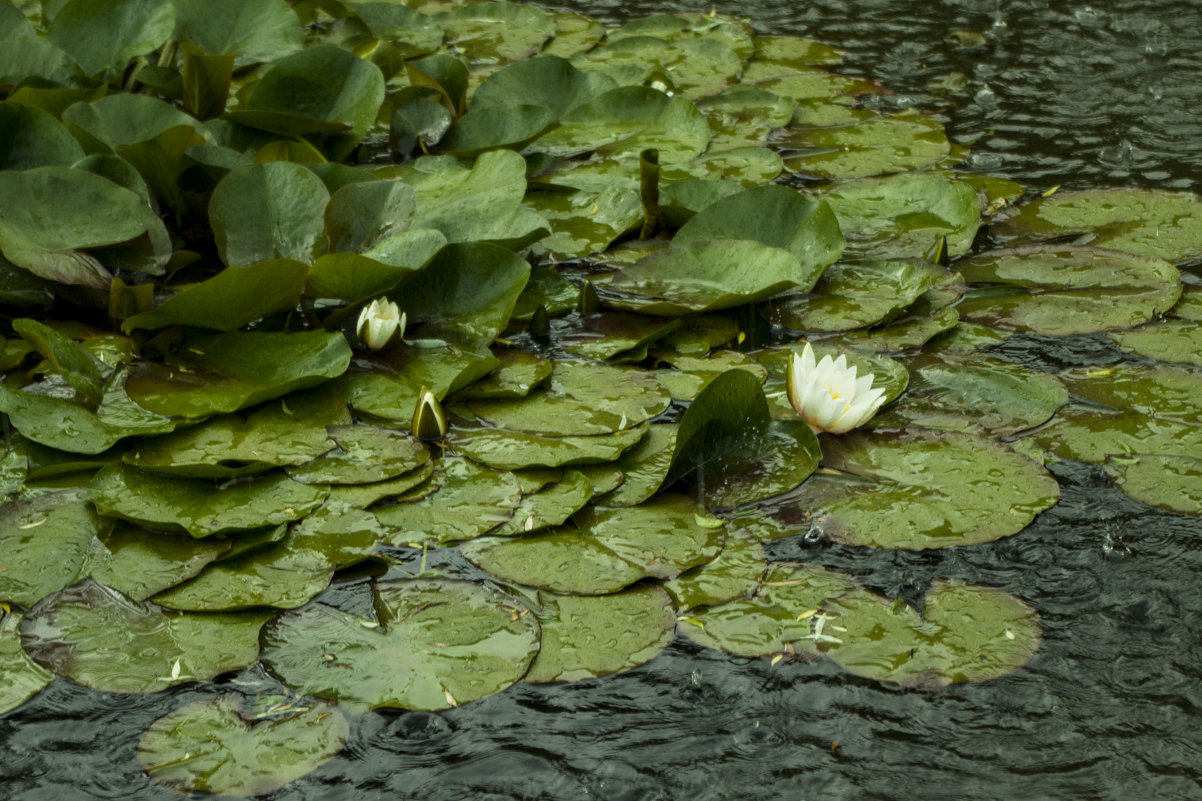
(1147, 222)
(743, 116)
(253, 30)
(119, 120)
(198, 506)
(437, 643)
(518, 373)
(587, 637)
(901, 216)
(34, 138)
(958, 394)
(693, 67)
(84, 372)
(290, 431)
(1058, 290)
(354, 277)
(1177, 341)
(56, 222)
(616, 336)
(1076, 433)
(213, 746)
(965, 633)
(583, 223)
(360, 496)
(1160, 391)
(102, 35)
(14, 465)
(97, 637)
(550, 506)
(612, 549)
(1172, 482)
(436, 365)
(693, 374)
(20, 677)
(140, 564)
(907, 333)
(365, 454)
(852, 295)
(795, 51)
(581, 399)
(906, 141)
(645, 466)
(70, 425)
(497, 32)
(736, 573)
(46, 543)
(957, 490)
(269, 211)
(231, 299)
(361, 215)
(226, 372)
(776, 620)
(470, 501)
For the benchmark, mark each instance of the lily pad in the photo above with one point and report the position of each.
(365, 454)
(497, 32)
(581, 399)
(198, 506)
(965, 633)
(776, 620)
(1057, 290)
(226, 372)
(645, 466)
(550, 506)
(1177, 341)
(514, 450)
(20, 677)
(616, 336)
(140, 563)
(587, 637)
(852, 295)
(583, 223)
(269, 211)
(517, 375)
(879, 146)
(34, 138)
(612, 549)
(439, 366)
(213, 746)
(471, 500)
(1147, 222)
(956, 489)
(901, 216)
(736, 573)
(437, 643)
(361, 215)
(253, 30)
(1076, 433)
(46, 543)
(1172, 482)
(1159, 391)
(691, 374)
(102, 35)
(97, 637)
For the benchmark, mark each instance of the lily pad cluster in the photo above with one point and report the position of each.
(608, 244)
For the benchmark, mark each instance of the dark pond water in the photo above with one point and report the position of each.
(1110, 707)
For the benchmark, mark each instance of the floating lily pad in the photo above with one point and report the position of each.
(438, 643)
(965, 633)
(213, 746)
(736, 573)
(519, 372)
(612, 549)
(645, 466)
(902, 216)
(956, 490)
(20, 677)
(585, 222)
(550, 506)
(289, 431)
(776, 620)
(587, 637)
(84, 372)
(693, 67)
(471, 500)
(1177, 341)
(359, 496)
(581, 399)
(1076, 433)
(105, 35)
(958, 394)
(46, 543)
(906, 141)
(198, 506)
(226, 372)
(1147, 222)
(852, 295)
(97, 637)
(1162, 392)
(691, 374)
(438, 366)
(1058, 290)
(908, 333)
(497, 32)
(140, 563)
(743, 116)
(365, 454)
(616, 336)
(1166, 482)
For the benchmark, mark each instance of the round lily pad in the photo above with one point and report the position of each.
(140, 563)
(776, 620)
(735, 573)
(365, 454)
(214, 746)
(97, 637)
(956, 490)
(586, 637)
(514, 450)
(438, 643)
(1159, 391)
(965, 633)
(471, 500)
(612, 549)
(1077, 433)
(855, 294)
(1057, 290)
(878, 146)
(1172, 482)
(581, 399)
(1177, 341)
(20, 677)
(550, 506)
(645, 466)
(46, 544)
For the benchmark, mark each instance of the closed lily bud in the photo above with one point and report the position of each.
(828, 395)
(381, 323)
(429, 421)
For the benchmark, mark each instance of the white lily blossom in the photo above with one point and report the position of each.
(828, 395)
(381, 323)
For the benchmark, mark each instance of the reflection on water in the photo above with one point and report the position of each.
(1072, 93)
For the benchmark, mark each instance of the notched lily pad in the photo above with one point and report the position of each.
(514, 450)
(1172, 482)
(365, 454)
(214, 746)
(437, 643)
(20, 677)
(46, 543)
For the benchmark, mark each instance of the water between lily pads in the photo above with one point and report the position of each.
(1077, 94)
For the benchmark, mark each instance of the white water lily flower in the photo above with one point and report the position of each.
(828, 395)
(381, 323)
